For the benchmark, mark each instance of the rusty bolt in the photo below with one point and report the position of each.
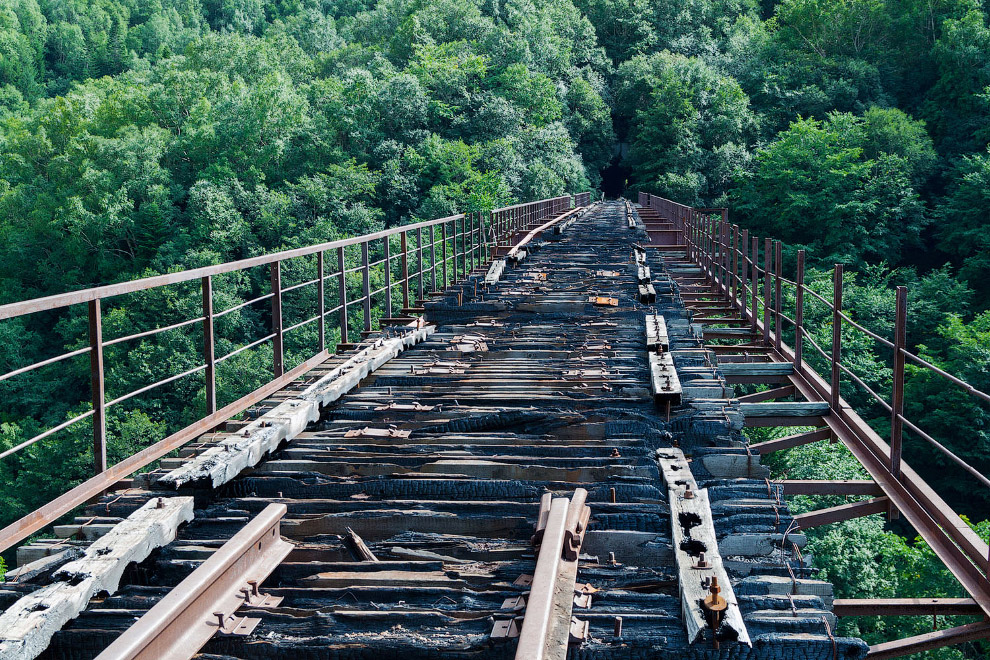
(254, 587)
(160, 504)
(617, 631)
(247, 594)
(611, 558)
(688, 493)
(220, 618)
(702, 563)
(611, 495)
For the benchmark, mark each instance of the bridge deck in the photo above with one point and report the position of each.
(525, 388)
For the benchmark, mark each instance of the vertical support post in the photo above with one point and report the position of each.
(753, 285)
(767, 303)
(743, 298)
(474, 230)
(278, 342)
(342, 289)
(366, 285)
(96, 381)
(777, 301)
(321, 302)
(419, 266)
(735, 264)
(799, 312)
(433, 258)
(209, 352)
(897, 391)
(404, 246)
(724, 251)
(443, 252)
(836, 334)
(387, 244)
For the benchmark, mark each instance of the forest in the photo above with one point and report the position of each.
(143, 136)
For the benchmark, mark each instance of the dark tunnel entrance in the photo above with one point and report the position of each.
(614, 179)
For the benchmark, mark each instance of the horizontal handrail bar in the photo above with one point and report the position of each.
(13, 310)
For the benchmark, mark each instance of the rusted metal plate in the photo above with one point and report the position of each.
(604, 301)
(368, 432)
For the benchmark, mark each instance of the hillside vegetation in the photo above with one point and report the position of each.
(142, 136)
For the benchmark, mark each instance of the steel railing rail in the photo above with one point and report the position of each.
(454, 245)
(713, 243)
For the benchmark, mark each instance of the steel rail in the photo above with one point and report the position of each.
(20, 529)
(532, 234)
(539, 609)
(178, 626)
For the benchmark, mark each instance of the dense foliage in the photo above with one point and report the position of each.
(143, 136)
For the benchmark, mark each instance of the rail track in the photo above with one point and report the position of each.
(513, 483)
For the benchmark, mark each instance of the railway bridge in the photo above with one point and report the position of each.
(528, 441)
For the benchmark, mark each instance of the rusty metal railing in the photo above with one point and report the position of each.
(730, 259)
(410, 261)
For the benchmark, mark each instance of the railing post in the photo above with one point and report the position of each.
(897, 390)
(799, 312)
(209, 353)
(403, 245)
(342, 289)
(767, 304)
(366, 285)
(753, 285)
(96, 381)
(433, 258)
(836, 334)
(777, 302)
(321, 300)
(388, 275)
(443, 252)
(278, 346)
(421, 296)
(735, 264)
(723, 249)
(743, 297)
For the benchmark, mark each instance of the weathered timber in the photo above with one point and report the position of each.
(693, 534)
(27, 627)
(231, 456)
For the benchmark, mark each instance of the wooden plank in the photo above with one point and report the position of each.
(756, 368)
(785, 409)
(233, 454)
(663, 379)
(656, 332)
(693, 531)
(28, 625)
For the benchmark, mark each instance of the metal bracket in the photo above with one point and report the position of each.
(232, 624)
(579, 631)
(505, 629)
(514, 603)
